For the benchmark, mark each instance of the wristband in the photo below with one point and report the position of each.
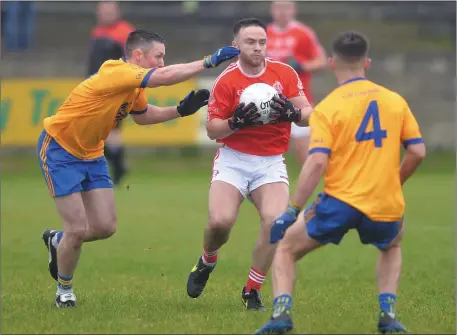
(207, 62)
(298, 208)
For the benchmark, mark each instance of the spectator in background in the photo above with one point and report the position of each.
(108, 40)
(296, 44)
(19, 24)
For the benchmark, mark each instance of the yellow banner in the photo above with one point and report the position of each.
(25, 103)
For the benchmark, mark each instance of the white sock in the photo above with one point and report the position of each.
(61, 291)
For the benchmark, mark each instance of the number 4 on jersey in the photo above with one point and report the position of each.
(377, 134)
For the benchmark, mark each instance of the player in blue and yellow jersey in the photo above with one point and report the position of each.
(356, 135)
(71, 146)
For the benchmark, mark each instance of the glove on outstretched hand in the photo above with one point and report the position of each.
(221, 55)
(192, 102)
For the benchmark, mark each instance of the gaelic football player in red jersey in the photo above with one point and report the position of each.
(250, 161)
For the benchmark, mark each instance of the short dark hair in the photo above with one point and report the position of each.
(351, 46)
(140, 38)
(248, 23)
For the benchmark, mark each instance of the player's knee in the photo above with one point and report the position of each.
(268, 218)
(102, 225)
(220, 223)
(107, 227)
(75, 235)
(75, 225)
(108, 230)
(285, 248)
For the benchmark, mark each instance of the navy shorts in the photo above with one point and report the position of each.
(329, 219)
(65, 174)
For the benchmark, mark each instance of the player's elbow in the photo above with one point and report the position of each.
(319, 161)
(212, 130)
(211, 133)
(417, 150)
(139, 119)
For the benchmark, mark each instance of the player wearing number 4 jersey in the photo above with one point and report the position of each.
(356, 134)
(250, 161)
(71, 145)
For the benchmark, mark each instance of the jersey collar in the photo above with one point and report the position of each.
(252, 75)
(352, 80)
(123, 58)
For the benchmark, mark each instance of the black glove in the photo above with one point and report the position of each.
(245, 116)
(286, 110)
(193, 102)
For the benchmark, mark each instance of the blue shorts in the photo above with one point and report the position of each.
(329, 219)
(65, 174)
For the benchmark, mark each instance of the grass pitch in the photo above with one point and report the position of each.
(135, 282)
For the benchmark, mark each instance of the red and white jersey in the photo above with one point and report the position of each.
(265, 140)
(298, 41)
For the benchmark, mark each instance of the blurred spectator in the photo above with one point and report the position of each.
(109, 35)
(296, 44)
(108, 41)
(18, 23)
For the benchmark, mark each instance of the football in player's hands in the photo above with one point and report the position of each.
(261, 94)
(192, 102)
(245, 116)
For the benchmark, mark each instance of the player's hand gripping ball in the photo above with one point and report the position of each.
(285, 109)
(221, 55)
(284, 221)
(244, 116)
(262, 96)
(192, 102)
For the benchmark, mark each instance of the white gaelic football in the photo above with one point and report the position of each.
(260, 94)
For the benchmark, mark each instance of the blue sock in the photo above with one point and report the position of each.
(281, 304)
(64, 283)
(59, 236)
(387, 302)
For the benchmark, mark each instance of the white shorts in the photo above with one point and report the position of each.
(297, 131)
(248, 172)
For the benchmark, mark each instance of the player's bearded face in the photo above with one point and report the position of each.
(252, 42)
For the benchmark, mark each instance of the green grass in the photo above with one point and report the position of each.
(135, 282)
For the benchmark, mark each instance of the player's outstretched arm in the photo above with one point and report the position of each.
(188, 106)
(173, 74)
(243, 117)
(415, 154)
